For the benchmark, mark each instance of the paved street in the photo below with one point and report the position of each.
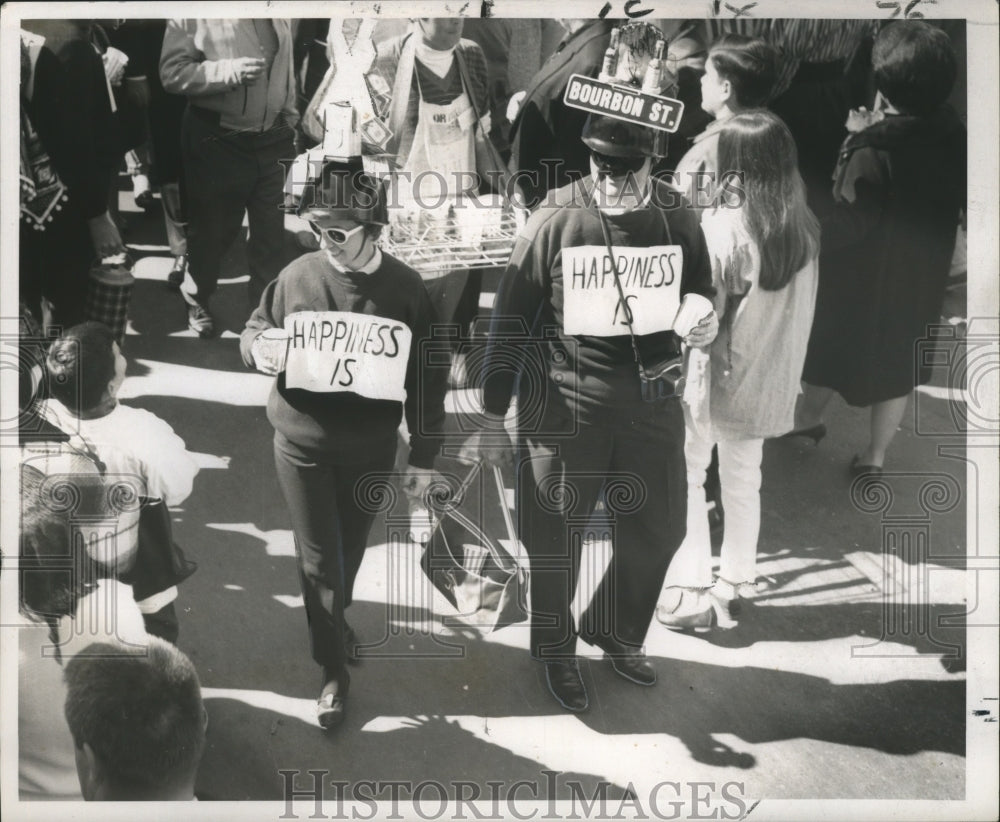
(844, 680)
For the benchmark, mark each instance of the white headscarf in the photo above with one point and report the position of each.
(437, 61)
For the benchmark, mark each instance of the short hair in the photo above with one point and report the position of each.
(914, 66)
(749, 64)
(140, 711)
(80, 365)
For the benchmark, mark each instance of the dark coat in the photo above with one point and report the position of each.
(71, 110)
(899, 188)
(545, 128)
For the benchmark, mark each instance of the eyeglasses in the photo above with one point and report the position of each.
(337, 236)
(617, 166)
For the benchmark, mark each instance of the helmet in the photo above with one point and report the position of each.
(317, 183)
(618, 138)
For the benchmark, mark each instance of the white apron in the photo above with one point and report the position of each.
(443, 143)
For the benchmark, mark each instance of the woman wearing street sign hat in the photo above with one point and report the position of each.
(338, 399)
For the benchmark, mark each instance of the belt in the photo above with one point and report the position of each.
(278, 130)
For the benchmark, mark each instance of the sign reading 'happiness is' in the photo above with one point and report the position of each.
(650, 279)
(340, 351)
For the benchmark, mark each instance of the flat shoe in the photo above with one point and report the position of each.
(330, 707)
(813, 432)
(859, 469)
(685, 615)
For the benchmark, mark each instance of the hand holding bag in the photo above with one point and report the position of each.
(484, 582)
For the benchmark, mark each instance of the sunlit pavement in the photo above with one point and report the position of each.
(843, 680)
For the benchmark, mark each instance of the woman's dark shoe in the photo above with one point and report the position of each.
(814, 433)
(330, 705)
(859, 469)
(566, 684)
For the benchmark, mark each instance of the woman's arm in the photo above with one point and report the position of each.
(269, 314)
(860, 191)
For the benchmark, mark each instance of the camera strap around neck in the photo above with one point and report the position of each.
(621, 291)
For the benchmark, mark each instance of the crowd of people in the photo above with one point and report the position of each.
(670, 300)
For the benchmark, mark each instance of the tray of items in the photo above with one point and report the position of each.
(474, 232)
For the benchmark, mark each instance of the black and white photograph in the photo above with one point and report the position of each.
(496, 410)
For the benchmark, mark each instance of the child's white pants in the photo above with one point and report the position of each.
(739, 475)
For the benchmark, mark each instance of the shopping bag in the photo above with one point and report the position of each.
(483, 580)
(159, 563)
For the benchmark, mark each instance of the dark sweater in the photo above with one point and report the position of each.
(591, 378)
(347, 425)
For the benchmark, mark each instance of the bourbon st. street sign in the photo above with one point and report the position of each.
(623, 103)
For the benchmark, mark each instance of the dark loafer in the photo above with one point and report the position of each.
(566, 684)
(635, 667)
(330, 708)
(628, 661)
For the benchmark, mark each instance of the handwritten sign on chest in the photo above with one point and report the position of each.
(342, 351)
(650, 279)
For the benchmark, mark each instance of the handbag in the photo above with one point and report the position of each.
(483, 581)
(159, 562)
(664, 379)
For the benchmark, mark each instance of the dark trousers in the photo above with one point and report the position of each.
(331, 532)
(637, 464)
(226, 175)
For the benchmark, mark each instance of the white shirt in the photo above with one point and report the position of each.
(46, 762)
(138, 449)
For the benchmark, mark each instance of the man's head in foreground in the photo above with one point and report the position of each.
(137, 721)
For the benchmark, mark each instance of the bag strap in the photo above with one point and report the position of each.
(501, 492)
(495, 158)
(503, 559)
(78, 444)
(401, 85)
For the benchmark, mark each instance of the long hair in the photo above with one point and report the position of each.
(758, 146)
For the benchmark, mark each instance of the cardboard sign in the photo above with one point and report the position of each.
(337, 351)
(650, 278)
(623, 103)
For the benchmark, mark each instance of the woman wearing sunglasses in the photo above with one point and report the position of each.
(342, 330)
